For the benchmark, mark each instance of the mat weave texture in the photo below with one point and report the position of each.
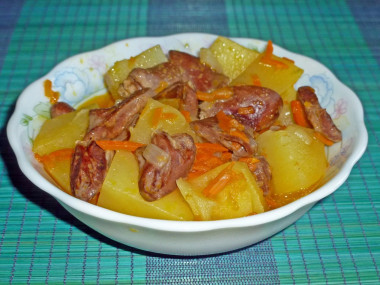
(337, 242)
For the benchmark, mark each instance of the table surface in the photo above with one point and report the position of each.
(338, 241)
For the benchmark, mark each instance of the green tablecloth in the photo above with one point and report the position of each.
(338, 241)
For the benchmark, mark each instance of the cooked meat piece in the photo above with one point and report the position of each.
(201, 77)
(182, 67)
(317, 116)
(99, 116)
(89, 162)
(88, 170)
(185, 93)
(255, 107)
(113, 122)
(263, 174)
(157, 181)
(155, 78)
(209, 130)
(60, 108)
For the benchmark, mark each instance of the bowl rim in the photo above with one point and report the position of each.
(188, 226)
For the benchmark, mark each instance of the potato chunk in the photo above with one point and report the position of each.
(120, 192)
(158, 116)
(120, 70)
(297, 158)
(233, 58)
(57, 165)
(61, 132)
(239, 198)
(270, 76)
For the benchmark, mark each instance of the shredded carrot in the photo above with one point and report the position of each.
(207, 164)
(158, 115)
(186, 114)
(226, 123)
(256, 80)
(299, 114)
(269, 49)
(214, 147)
(239, 134)
(221, 93)
(225, 156)
(250, 161)
(219, 182)
(268, 59)
(275, 63)
(246, 110)
(208, 156)
(168, 116)
(58, 155)
(116, 145)
(323, 139)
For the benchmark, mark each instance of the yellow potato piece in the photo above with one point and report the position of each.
(120, 70)
(120, 192)
(297, 158)
(206, 56)
(240, 197)
(270, 76)
(170, 121)
(61, 132)
(58, 167)
(233, 58)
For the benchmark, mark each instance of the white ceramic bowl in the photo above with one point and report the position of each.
(80, 76)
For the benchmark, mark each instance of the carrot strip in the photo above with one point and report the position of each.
(116, 145)
(226, 123)
(221, 93)
(157, 113)
(205, 165)
(214, 147)
(323, 139)
(246, 110)
(250, 161)
(186, 114)
(275, 63)
(58, 155)
(239, 134)
(226, 156)
(269, 49)
(208, 156)
(299, 114)
(168, 116)
(219, 182)
(267, 58)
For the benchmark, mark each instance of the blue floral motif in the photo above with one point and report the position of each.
(76, 84)
(72, 84)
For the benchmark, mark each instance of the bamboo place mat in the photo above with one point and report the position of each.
(337, 242)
